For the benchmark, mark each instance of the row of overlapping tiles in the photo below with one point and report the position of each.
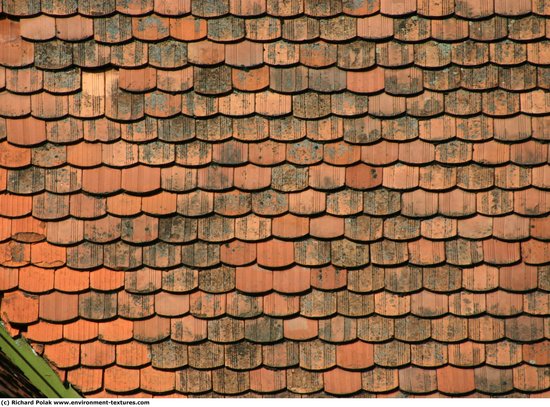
(244, 332)
(158, 105)
(212, 84)
(520, 381)
(459, 310)
(252, 8)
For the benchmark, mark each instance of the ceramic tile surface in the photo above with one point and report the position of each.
(287, 198)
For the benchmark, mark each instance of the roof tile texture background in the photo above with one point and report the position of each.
(278, 198)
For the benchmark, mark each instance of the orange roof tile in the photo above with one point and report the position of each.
(249, 197)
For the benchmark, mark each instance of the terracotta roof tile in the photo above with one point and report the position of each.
(530, 378)
(267, 381)
(416, 380)
(338, 329)
(240, 305)
(20, 308)
(466, 354)
(199, 202)
(466, 303)
(121, 380)
(85, 379)
(524, 328)
(193, 381)
(339, 381)
(97, 306)
(15, 205)
(42, 255)
(503, 353)
(152, 330)
(25, 181)
(206, 355)
(380, 379)
(116, 331)
(35, 280)
(132, 54)
(252, 227)
(238, 253)
(403, 279)
(112, 170)
(279, 305)
(97, 354)
(80, 331)
(429, 354)
(454, 380)
(536, 353)
(168, 355)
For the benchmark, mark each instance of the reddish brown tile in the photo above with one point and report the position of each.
(238, 253)
(504, 303)
(342, 382)
(188, 28)
(536, 354)
(253, 279)
(44, 332)
(250, 80)
(530, 202)
(466, 354)
(35, 280)
(97, 354)
(391, 304)
(524, 328)
(426, 303)
(380, 379)
(334, 128)
(137, 8)
(117, 330)
(278, 305)
(38, 28)
(416, 380)
(101, 180)
(325, 177)
(86, 380)
(120, 380)
(503, 353)
(226, 330)
(97, 306)
(275, 253)
(485, 328)
(466, 303)
(244, 54)
(263, 28)
(425, 252)
(150, 28)
(493, 380)
(206, 355)
(81, 331)
(454, 380)
(138, 80)
(530, 378)
(230, 382)
(121, 205)
(140, 179)
(267, 381)
(47, 255)
(193, 381)
(300, 328)
(152, 330)
(75, 28)
(20, 308)
(370, 81)
(450, 329)
(26, 230)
